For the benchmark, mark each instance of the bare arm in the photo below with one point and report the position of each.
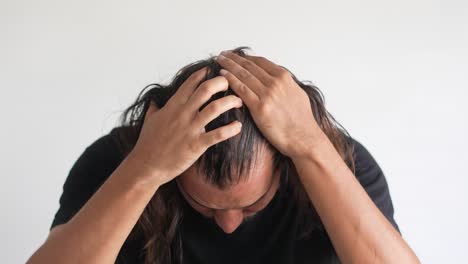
(98, 231)
(366, 236)
(171, 140)
(283, 112)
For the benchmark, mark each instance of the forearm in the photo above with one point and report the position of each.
(358, 230)
(97, 232)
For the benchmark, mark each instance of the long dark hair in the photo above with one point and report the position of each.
(158, 224)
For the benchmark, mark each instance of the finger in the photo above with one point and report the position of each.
(188, 87)
(151, 109)
(220, 134)
(242, 74)
(216, 108)
(206, 90)
(267, 65)
(249, 97)
(250, 66)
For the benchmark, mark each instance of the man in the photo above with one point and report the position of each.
(257, 220)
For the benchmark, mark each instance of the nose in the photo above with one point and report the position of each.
(229, 220)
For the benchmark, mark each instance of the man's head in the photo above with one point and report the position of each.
(234, 173)
(234, 203)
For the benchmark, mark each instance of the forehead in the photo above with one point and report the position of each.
(260, 172)
(236, 195)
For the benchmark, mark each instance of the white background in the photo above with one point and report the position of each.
(394, 73)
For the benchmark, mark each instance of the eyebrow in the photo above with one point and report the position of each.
(243, 207)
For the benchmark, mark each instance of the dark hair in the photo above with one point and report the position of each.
(222, 163)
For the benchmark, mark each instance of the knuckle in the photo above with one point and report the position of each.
(247, 64)
(222, 133)
(207, 89)
(216, 106)
(232, 98)
(242, 87)
(243, 74)
(223, 80)
(283, 74)
(270, 82)
(202, 71)
(197, 75)
(193, 146)
(268, 95)
(276, 82)
(265, 107)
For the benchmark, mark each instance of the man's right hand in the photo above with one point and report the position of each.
(173, 138)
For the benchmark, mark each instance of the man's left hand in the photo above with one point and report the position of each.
(279, 106)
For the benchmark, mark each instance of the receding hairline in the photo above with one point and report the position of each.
(261, 148)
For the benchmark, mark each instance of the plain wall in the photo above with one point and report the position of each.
(393, 73)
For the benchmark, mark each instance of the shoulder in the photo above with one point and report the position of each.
(98, 160)
(365, 163)
(112, 146)
(372, 178)
(90, 170)
(102, 154)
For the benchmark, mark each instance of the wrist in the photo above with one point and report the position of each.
(143, 173)
(309, 148)
(322, 158)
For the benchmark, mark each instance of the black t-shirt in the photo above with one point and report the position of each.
(268, 238)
